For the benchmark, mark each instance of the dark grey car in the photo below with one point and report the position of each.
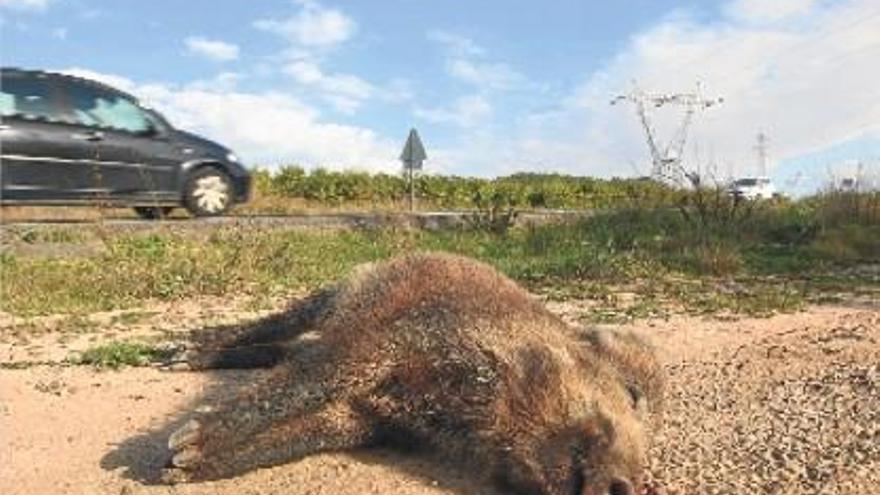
(65, 140)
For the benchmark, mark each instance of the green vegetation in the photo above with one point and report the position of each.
(522, 190)
(115, 355)
(701, 253)
(135, 268)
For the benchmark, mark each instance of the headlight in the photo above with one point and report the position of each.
(231, 157)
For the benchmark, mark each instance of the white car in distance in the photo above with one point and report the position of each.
(753, 188)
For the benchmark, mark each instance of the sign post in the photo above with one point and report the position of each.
(412, 156)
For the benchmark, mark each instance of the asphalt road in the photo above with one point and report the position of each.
(426, 220)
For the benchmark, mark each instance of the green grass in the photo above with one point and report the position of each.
(116, 355)
(133, 269)
(772, 260)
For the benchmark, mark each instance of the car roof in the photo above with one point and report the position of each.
(65, 77)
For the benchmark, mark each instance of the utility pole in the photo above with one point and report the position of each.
(860, 175)
(412, 190)
(761, 148)
(666, 160)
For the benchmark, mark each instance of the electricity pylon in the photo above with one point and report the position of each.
(666, 160)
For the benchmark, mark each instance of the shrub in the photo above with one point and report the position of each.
(495, 212)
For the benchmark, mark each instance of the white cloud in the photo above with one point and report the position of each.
(467, 111)
(217, 50)
(314, 25)
(224, 81)
(487, 75)
(114, 80)
(456, 44)
(264, 128)
(344, 91)
(272, 125)
(25, 4)
(312, 33)
(465, 62)
(768, 11)
(398, 90)
(59, 33)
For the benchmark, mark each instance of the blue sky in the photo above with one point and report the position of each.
(494, 87)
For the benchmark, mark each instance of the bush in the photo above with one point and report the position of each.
(454, 192)
(847, 207)
(848, 244)
(495, 210)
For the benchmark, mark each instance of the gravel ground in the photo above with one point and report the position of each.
(789, 404)
(794, 412)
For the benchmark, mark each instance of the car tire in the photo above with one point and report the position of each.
(208, 193)
(152, 212)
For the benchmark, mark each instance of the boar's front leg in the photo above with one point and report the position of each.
(271, 425)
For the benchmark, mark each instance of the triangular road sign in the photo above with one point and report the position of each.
(413, 153)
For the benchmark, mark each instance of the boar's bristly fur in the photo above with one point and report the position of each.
(434, 350)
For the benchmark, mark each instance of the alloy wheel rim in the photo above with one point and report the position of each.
(211, 193)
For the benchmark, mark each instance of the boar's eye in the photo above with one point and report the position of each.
(639, 401)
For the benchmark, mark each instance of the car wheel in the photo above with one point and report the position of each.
(208, 192)
(151, 212)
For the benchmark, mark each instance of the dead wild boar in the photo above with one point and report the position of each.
(434, 350)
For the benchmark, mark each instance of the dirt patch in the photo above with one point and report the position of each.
(789, 404)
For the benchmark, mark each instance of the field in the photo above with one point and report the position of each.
(765, 317)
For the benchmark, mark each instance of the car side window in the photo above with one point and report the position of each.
(7, 104)
(95, 108)
(27, 97)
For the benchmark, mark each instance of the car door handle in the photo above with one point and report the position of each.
(88, 136)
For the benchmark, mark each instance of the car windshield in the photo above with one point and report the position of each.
(747, 182)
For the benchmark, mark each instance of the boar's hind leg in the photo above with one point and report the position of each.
(260, 344)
